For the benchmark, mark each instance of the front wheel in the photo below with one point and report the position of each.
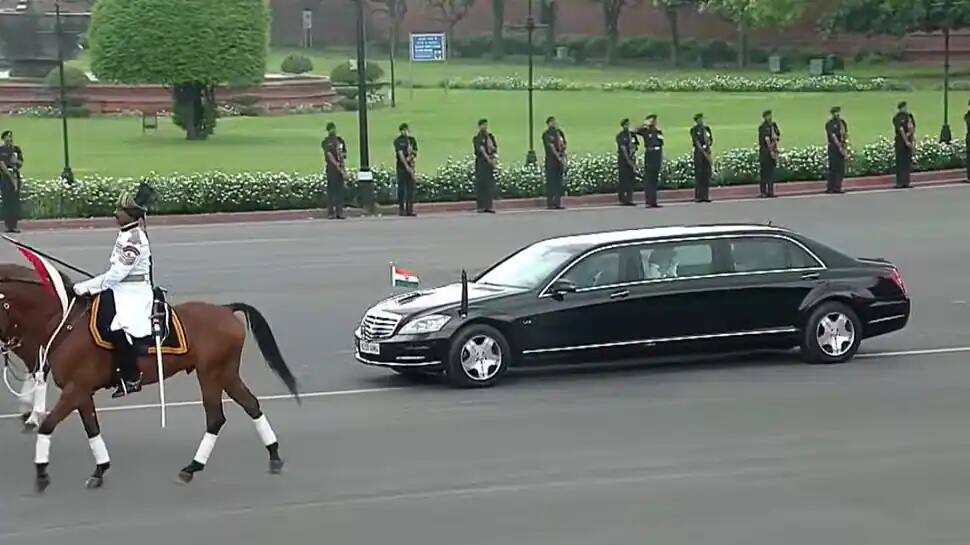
(478, 357)
(832, 334)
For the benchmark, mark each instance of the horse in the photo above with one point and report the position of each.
(30, 315)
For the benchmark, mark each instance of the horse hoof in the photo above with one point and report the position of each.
(94, 482)
(186, 476)
(276, 467)
(42, 483)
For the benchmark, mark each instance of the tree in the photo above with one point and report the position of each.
(395, 10)
(672, 10)
(498, 26)
(898, 17)
(451, 12)
(548, 14)
(191, 45)
(612, 9)
(751, 14)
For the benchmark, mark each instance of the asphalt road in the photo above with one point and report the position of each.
(749, 451)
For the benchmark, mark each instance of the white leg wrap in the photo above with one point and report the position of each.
(205, 448)
(26, 396)
(265, 431)
(99, 450)
(42, 450)
(40, 400)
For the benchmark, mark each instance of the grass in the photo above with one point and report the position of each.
(444, 123)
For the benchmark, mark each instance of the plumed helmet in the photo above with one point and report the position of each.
(137, 204)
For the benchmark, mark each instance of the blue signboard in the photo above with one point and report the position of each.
(428, 47)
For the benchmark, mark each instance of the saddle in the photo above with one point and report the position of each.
(174, 341)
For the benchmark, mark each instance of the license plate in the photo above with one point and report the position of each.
(370, 348)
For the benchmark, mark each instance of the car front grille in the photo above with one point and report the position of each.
(379, 325)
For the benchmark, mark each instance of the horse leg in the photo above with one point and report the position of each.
(239, 393)
(215, 419)
(89, 417)
(39, 401)
(26, 398)
(66, 404)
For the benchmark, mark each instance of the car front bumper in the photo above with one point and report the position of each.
(402, 351)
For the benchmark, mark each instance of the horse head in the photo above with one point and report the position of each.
(27, 308)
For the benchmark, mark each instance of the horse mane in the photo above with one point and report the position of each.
(11, 272)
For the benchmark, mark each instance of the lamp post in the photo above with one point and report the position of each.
(365, 178)
(67, 175)
(530, 27)
(945, 135)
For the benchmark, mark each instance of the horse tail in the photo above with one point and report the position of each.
(267, 345)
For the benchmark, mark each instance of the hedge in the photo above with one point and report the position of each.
(453, 181)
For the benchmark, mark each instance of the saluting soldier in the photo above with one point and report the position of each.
(626, 162)
(904, 127)
(837, 136)
(653, 144)
(335, 155)
(554, 142)
(486, 161)
(702, 138)
(11, 161)
(405, 154)
(768, 137)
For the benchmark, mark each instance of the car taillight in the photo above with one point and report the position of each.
(898, 280)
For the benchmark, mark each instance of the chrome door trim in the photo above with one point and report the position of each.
(771, 331)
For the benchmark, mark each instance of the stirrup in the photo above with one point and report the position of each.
(127, 387)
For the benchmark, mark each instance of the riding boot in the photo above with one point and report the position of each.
(126, 360)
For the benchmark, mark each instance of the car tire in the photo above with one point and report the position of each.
(478, 357)
(832, 334)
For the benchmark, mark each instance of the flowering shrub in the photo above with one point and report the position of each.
(453, 181)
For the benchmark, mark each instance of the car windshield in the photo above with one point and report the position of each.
(529, 267)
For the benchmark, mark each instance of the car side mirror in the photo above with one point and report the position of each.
(561, 287)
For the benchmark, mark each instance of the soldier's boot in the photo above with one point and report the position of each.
(126, 361)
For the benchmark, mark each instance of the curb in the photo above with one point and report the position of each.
(667, 196)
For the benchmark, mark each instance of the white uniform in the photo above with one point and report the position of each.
(128, 276)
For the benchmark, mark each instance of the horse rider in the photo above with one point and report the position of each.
(129, 279)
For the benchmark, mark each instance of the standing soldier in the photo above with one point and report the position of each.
(486, 161)
(405, 152)
(626, 162)
(11, 160)
(335, 154)
(904, 127)
(837, 135)
(703, 139)
(966, 141)
(653, 144)
(768, 137)
(554, 141)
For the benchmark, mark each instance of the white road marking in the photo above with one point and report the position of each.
(362, 391)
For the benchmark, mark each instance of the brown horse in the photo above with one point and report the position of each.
(30, 317)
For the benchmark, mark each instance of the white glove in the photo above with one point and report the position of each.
(82, 289)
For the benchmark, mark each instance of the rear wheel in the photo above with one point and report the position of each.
(832, 334)
(478, 357)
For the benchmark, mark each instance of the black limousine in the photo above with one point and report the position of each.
(636, 293)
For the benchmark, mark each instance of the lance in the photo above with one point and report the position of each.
(50, 257)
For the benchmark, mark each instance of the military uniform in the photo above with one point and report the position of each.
(407, 146)
(626, 157)
(653, 144)
(554, 142)
(835, 131)
(768, 135)
(966, 121)
(904, 123)
(486, 149)
(129, 279)
(335, 146)
(10, 186)
(703, 138)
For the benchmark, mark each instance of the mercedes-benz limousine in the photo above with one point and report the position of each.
(636, 293)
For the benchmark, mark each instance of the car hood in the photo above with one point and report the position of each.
(442, 297)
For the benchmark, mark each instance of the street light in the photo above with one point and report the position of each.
(67, 175)
(946, 136)
(365, 178)
(530, 27)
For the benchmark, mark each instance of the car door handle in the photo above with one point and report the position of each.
(810, 276)
(619, 294)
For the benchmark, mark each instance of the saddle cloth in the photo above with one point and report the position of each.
(174, 342)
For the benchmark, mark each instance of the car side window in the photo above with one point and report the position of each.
(769, 254)
(598, 269)
(677, 260)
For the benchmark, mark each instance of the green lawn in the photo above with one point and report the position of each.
(444, 124)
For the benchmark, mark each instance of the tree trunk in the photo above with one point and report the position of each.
(549, 19)
(611, 20)
(194, 109)
(674, 21)
(498, 28)
(742, 45)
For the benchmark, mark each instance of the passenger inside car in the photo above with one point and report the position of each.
(662, 263)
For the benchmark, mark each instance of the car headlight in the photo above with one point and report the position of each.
(425, 324)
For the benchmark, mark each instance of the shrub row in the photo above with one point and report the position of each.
(453, 181)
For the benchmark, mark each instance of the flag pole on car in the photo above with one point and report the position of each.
(464, 294)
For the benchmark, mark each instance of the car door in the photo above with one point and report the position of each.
(589, 319)
(771, 276)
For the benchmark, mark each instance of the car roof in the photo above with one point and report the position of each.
(592, 240)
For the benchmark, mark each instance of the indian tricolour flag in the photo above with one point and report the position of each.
(403, 278)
